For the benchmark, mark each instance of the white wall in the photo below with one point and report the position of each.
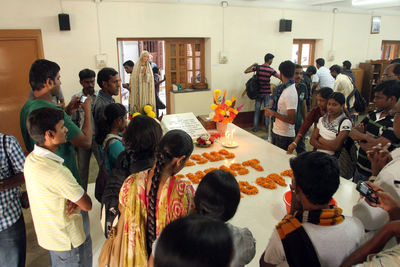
(250, 32)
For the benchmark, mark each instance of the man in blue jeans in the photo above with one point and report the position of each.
(283, 132)
(12, 225)
(264, 73)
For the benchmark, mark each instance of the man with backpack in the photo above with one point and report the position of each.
(263, 73)
(344, 85)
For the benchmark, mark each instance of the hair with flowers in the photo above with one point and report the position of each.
(224, 109)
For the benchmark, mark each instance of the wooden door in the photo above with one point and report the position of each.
(18, 50)
(184, 63)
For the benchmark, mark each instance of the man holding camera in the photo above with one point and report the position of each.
(385, 166)
(87, 80)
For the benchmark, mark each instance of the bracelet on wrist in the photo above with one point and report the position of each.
(294, 143)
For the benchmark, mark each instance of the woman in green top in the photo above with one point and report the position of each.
(109, 133)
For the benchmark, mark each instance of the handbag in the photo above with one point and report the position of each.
(111, 254)
(347, 156)
(23, 198)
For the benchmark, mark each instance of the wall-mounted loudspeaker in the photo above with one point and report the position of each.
(63, 21)
(285, 25)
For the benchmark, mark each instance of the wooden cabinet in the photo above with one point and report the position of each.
(373, 71)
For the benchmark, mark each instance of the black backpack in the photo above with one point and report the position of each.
(252, 86)
(359, 102)
(103, 174)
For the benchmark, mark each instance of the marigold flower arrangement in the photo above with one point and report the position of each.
(224, 109)
(147, 111)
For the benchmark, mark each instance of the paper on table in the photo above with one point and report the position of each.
(183, 121)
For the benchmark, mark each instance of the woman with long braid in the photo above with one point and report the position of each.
(153, 198)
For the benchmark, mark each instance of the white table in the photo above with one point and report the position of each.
(260, 212)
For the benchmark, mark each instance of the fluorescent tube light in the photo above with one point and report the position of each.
(371, 2)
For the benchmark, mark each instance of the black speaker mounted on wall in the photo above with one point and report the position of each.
(285, 25)
(63, 21)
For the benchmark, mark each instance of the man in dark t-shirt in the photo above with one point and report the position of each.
(264, 73)
(377, 127)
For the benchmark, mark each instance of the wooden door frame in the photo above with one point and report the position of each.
(24, 35)
(28, 35)
(390, 42)
(300, 42)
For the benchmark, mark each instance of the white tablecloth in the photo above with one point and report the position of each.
(260, 212)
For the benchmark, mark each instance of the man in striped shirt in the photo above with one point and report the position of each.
(264, 73)
(54, 194)
(376, 128)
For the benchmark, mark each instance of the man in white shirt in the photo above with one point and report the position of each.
(314, 233)
(323, 77)
(343, 84)
(283, 132)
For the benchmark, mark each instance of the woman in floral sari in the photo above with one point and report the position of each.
(151, 199)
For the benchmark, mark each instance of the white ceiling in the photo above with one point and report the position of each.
(384, 6)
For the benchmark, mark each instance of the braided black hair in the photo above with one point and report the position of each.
(174, 144)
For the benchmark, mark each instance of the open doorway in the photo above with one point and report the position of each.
(130, 49)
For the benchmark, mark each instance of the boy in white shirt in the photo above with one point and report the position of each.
(283, 132)
(54, 194)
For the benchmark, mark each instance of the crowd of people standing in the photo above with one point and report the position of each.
(161, 217)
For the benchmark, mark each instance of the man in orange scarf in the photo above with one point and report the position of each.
(314, 233)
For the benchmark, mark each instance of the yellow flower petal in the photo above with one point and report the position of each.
(217, 92)
(135, 114)
(147, 109)
(213, 106)
(228, 103)
(151, 114)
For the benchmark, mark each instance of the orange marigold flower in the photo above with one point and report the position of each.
(243, 171)
(202, 161)
(288, 173)
(210, 170)
(247, 189)
(235, 166)
(266, 182)
(230, 156)
(259, 168)
(224, 152)
(277, 179)
(195, 157)
(189, 163)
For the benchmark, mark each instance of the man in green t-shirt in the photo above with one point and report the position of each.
(44, 78)
(301, 106)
